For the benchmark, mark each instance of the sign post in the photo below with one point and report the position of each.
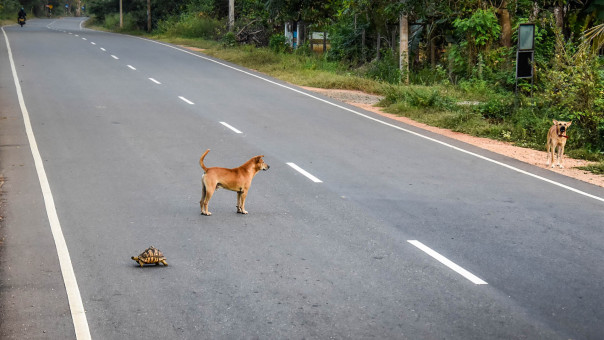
(525, 54)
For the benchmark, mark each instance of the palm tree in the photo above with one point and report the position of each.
(593, 39)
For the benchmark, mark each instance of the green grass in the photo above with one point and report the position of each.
(597, 169)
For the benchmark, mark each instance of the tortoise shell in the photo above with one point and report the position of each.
(151, 255)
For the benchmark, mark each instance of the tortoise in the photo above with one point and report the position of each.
(151, 255)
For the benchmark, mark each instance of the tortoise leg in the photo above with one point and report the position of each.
(164, 262)
(141, 263)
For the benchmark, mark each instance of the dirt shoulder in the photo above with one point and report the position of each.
(530, 156)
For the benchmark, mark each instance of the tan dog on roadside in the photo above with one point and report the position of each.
(237, 179)
(556, 137)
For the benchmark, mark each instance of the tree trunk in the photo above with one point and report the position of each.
(432, 53)
(377, 54)
(363, 45)
(506, 25)
(404, 48)
(559, 15)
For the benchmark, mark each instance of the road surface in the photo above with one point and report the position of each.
(362, 228)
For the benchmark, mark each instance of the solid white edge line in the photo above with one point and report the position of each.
(601, 199)
(473, 278)
(186, 100)
(76, 306)
(230, 127)
(155, 81)
(304, 172)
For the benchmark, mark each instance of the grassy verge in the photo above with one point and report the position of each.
(471, 107)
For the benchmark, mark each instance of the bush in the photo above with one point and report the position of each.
(345, 40)
(112, 22)
(419, 97)
(496, 108)
(191, 26)
(278, 43)
(385, 69)
(9, 9)
(229, 40)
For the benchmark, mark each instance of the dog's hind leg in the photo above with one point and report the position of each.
(203, 195)
(206, 193)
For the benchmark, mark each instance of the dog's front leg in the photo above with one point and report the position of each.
(241, 202)
(560, 156)
(550, 156)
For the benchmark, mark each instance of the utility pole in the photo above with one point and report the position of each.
(231, 15)
(404, 48)
(148, 15)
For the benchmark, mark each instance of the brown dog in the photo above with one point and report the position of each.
(237, 179)
(556, 137)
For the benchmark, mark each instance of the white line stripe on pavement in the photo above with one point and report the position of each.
(186, 100)
(114, 57)
(386, 123)
(93, 43)
(132, 67)
(475, 279)
(78, 314)
(155, 81)
(104, 50)
(230, 127)
(304, 172)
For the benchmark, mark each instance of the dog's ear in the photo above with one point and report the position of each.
(569, 123)
(555, 122)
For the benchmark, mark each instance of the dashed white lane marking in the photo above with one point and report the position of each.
(186, 100)
(305, 173)
(84, 39)
(114, 57)
(475, 279)
(93, 43)
(77, 35)
(70, 33)
(155, 81)
(104, 50)
(78, 314)
(230, 127)
(386, 123)
(131, 67)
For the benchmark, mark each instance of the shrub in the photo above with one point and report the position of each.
(385, 69)
(112, 22)
(229, 40)
(278, 43)
(496, 108)
(190, 26)
(419, 97)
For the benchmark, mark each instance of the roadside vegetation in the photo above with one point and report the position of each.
(461, 57)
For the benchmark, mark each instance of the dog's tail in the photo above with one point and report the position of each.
(205, 169)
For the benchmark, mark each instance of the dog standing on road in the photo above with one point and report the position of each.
(556, 137)
(237, 179)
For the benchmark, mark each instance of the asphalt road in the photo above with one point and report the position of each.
(120, 123)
